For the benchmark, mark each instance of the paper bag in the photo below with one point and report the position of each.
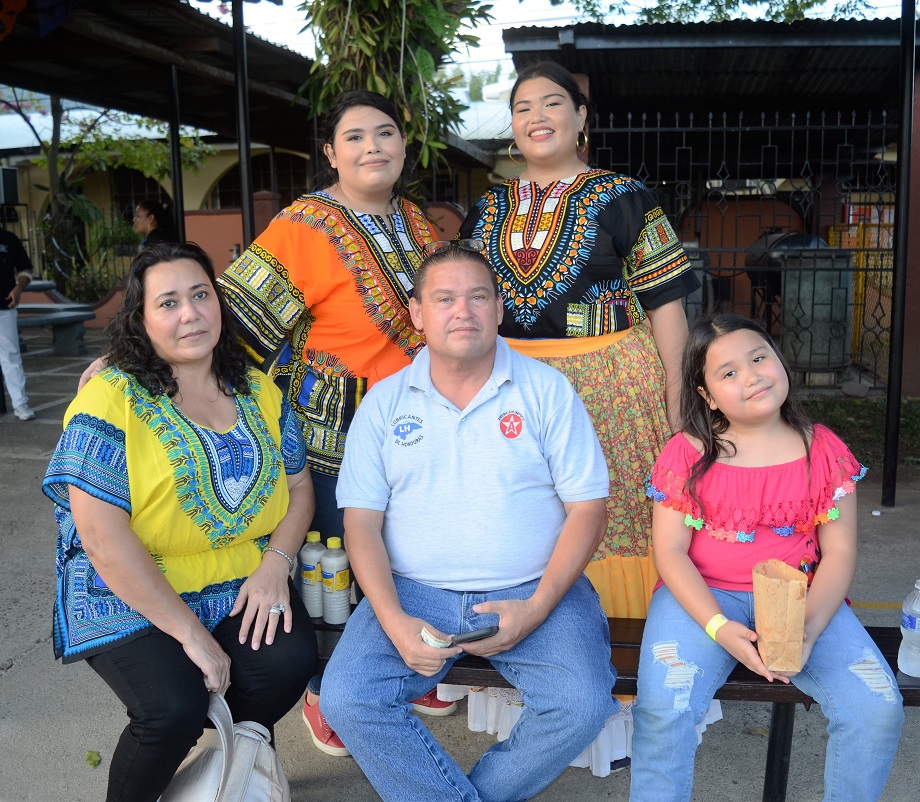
(779, 612)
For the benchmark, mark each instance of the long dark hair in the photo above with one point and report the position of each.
(130, 347)
(708, 425)
(326, 176)
(166, 225)
(558, 75)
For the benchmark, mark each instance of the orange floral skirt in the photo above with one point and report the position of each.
(622, 387)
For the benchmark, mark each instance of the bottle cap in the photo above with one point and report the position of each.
(313, 537)
(334, 543)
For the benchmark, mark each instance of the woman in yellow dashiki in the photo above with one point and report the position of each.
(593, 277)
(181, 496)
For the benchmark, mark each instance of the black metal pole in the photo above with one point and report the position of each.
(779, 752)
(175, 152)
(273, 170)
(244, 144)
(899, 279)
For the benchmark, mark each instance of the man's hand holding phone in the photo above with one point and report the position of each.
(476, 634)
(457, 640)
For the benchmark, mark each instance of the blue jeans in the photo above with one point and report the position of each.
(562, 670)
(681, 668)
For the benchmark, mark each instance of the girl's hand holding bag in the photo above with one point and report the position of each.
(234, 763)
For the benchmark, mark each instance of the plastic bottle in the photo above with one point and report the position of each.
(311, 577)
(909, 653)
(336, 583)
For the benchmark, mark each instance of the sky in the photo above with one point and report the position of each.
(281, 24)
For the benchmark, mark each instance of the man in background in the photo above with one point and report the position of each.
(15, 276)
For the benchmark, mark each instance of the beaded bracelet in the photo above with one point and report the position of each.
(287, 557)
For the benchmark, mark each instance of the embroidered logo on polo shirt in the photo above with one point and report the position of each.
(405, 428)
(511, 424)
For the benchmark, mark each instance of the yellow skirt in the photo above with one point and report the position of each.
(620, 379)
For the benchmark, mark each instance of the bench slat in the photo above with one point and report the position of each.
(52, 319)
(626, 636)
(52, 308)
(742, 685)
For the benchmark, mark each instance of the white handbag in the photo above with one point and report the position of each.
(232, 763)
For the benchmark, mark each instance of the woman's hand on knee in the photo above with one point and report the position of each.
(265, 590)
(205, 652)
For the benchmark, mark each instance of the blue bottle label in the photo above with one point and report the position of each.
(908, 621)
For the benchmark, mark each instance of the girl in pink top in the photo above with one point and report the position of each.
(750, 478)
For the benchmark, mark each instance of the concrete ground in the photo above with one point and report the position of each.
(51, 715)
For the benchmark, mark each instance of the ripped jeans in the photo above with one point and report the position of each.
(681, 668)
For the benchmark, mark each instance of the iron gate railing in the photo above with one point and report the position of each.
(732, 183)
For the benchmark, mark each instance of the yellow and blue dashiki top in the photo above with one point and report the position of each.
(202, 502)
(580, 257)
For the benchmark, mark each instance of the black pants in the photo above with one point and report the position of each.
(167, 702)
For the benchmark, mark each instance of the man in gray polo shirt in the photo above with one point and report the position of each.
(473, 486)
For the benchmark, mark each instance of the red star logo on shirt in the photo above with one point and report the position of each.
(511, 425)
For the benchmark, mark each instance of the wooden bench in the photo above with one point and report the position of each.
(742, 685)
(65, 321)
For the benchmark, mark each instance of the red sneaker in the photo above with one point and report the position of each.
(322, 734)
(430, 705)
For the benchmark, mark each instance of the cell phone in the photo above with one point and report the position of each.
(476, 634)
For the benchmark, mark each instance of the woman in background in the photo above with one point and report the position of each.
(154, 223)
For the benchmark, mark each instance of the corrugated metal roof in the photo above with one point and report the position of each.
(486, 121)
(111, 53)
(117, 54)
(725, 66)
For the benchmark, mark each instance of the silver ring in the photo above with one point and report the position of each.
(276, 609)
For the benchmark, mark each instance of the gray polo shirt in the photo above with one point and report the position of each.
(473, 498)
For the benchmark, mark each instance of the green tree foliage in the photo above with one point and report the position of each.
(483, 78)
(394, 47)
(78, 243)
(477, 80)
(716, 10)
(82, 139)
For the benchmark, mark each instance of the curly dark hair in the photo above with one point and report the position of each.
(707, 425)
(130, 347)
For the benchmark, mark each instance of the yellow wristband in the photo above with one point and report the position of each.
(715, 624)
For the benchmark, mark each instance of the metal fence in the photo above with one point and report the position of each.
(788, 218)
(88, 261)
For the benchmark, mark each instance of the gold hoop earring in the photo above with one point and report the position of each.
(581, 145)
(511, 155)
